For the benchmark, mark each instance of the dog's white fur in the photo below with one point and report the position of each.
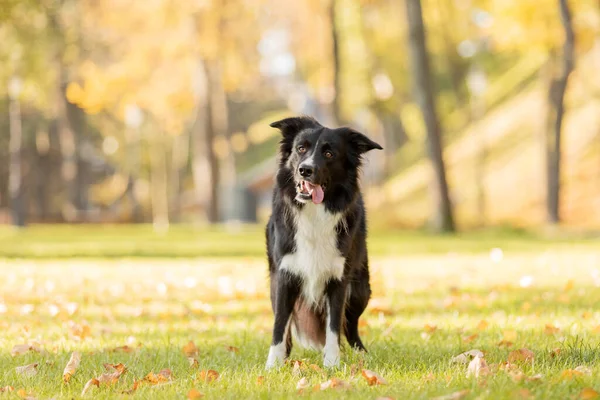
(316, 259)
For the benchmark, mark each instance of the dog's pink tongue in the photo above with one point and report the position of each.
(317, 194)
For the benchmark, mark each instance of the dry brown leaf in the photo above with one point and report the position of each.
(516, 375)
(190, 349)
(454, 396)
(551, 329)
(24, 348)
(80, 331)
(260, 380)
(193, 362)
(334, 383)
(302, 384)
(27, 370)
(296, 370)
(477, 367)
(123, 349)
(535, 378)
(465, 357)
(555, 352)
(316, 368)
(430, 328)
(469, 339)
(155, 379)
(72, 366)
(232, 349)
(208, 375)
(22, 393)
(505, 343)
(6, 389)
(112, 377)
(89, 384)
(482, 325)
(373, 378)
(194, 394)
(523, 394)
(136, 384)
(588, 394)
(521, 355)
(570, 374)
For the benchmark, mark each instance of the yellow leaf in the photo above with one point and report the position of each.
(551, 329)
(588, 394)
(430, 328)
(208, 375)
(469, 339)
(521, 355)
(194, 394)
(190, 349)
(260, 380)
(335, 383)
(373, 378)
(72, 366)
(483, 324)
(569, 285)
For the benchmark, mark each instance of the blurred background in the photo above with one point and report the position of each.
(158, 111)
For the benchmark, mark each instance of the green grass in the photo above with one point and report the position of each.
(160, 305)
(117, 241)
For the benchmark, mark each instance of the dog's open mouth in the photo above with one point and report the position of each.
(309, 191)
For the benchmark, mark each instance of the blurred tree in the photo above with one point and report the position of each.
(443, 221)
(556, 95)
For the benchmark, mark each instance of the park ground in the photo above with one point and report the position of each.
(125, 295)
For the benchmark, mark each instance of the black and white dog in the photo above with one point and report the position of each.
(316, 239)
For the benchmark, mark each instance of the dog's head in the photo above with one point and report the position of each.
(318, 162)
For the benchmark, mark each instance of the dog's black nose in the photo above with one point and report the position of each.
(306, 171)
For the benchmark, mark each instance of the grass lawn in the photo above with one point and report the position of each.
(426, 308)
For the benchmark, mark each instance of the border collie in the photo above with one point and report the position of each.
(316, 239)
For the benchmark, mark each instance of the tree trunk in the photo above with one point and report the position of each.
(158, 184)
(205, 167)
(15, 181)
(556, 96)
(444, 221)
(335, 41)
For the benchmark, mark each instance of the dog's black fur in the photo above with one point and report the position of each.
(333, 157)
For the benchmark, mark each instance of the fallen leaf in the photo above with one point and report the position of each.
(373, 378)
(570, 374)
(482, 325)
(516, 375)
(23, 348)
(453, 396)
(208, 375)
(505, 343)
(555, 352)
(193, 362)
(72, 365)
(535, 378)
(316, 368)
(551, 329)
(136, 384)
(525, 355)
(123, 349)
(80, 331)
(477, 367)
(190, 349)
(469, 339)
(27, 370)
(585, 370)
(296, 371)
(89, 384)
(22, 393)
(302, 384)
(569, 285)
(6, 389)
(155, 379)
(260, 380)
(430, 328)
(112, 377)
(193, 394)
(232, 349)
(465, 357)
(523, 394)
(588, 394)
(335, 383)
(586, 315)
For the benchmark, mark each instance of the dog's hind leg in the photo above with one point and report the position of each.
(360, 292)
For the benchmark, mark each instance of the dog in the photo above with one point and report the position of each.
(316, 239)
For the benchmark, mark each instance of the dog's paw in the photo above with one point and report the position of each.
(276, 356)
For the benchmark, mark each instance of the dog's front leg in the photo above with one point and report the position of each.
(288, 290)
(336, 300)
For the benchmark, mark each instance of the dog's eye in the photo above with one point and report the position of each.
(301, 149)
(328, 154)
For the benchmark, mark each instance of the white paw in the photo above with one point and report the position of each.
(332, 357)
(276, 356)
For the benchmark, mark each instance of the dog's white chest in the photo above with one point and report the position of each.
(316, 258)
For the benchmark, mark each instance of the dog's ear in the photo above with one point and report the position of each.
(289, 127)
(360, 142)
